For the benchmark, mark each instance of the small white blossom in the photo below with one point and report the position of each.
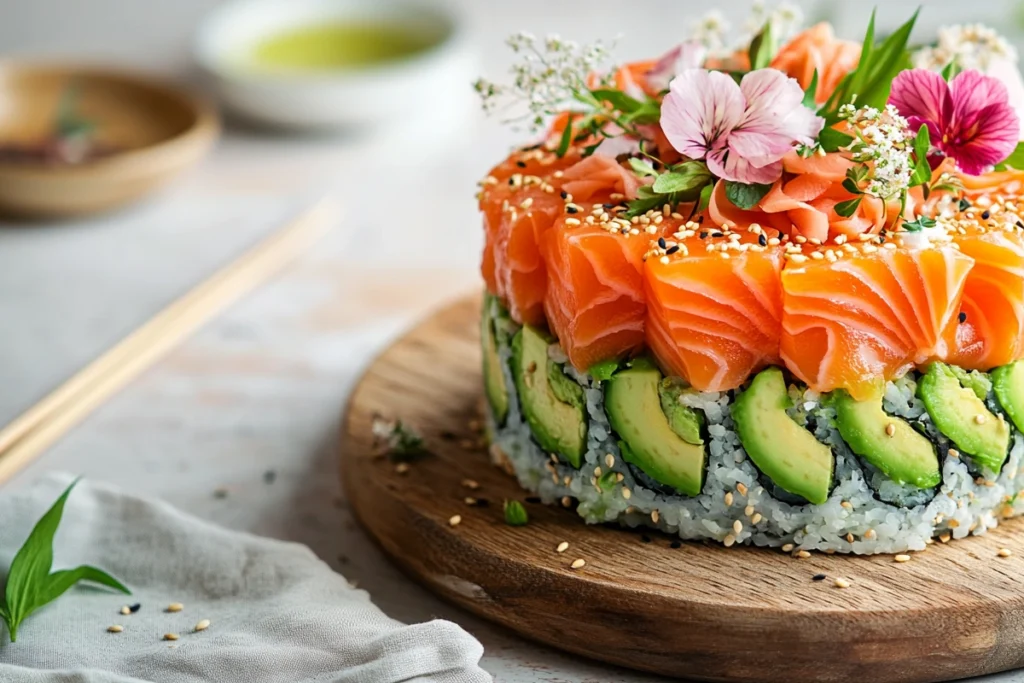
(883, 143)
(786, 19)
(546, 78)
(973, 46)
(711, 30)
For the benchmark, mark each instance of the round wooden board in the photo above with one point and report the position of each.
(699, 611)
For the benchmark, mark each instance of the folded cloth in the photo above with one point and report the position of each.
(277, 613)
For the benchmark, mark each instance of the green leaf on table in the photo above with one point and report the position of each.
(762, 48)
(745, 196)
(848, 208)
(31, 584)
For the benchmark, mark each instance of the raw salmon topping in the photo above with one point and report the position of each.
(778, 207)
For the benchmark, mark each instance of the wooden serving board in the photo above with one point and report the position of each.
(696, 611)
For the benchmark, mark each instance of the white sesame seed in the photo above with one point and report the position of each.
(609, 460)
(890, 429)
(742, 489)
(756, 518)
(979, 419)
(175, 607)
(578, 563)
(787, 548)
(840, 582)
(728, 497)
(470, 484)
(737, 526)
(1005, 552)
(170, 636)
(401, 468)
(655, 516)
(116, 628)
(803, 554)
(729, 540)
(203, 625)
(562, 547)
(454, 520)
(902, 558)
(749, 510)
(626, 493)
(126, 610)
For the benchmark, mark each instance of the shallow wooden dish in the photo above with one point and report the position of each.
(698, 611)
(159, 130)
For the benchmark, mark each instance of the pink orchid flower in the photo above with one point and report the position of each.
(688, 55)
(970, 119)
(744, 130)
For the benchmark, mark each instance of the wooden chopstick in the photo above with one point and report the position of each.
(45, 422)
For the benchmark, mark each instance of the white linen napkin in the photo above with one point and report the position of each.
(277, 613)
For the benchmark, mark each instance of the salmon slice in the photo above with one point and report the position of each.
(520, 200)
(713, 320)
(868, 317)
(992, 333)
(595, 303)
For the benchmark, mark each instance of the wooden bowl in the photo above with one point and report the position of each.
(153, 130)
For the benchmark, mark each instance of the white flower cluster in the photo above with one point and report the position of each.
(547, 77)
(973, 46)
(712, 29)
(884, 143)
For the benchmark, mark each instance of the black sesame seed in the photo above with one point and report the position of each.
(700, 220)
(717, 234)
(571, 209)
(1020, 225)
(671, 250)
(532, 499)
(818, 577)
(661, 242)
(532, 148)
(762, 240)
(481, 502)
(963, 317)
(135, 608)
(985, 215)
(608, 206)
(645, 538)
(269, 477)
(449, 436)
(521, 164)
(703, 235)
(564, 194)
(675, 544)
(511, 181)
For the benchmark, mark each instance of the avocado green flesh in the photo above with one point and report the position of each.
(558, 427)
(494, 378)
(1008, 383)
(959, 414)
(784, 451)
(650, 440)
(904, 456)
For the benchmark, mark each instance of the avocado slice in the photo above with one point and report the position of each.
(494, 377)
(659, 435)
(1008, 383)
(887, 442)
(962, 416)
(554, 406)
(784, 451)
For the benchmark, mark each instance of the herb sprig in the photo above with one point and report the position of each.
(31, 584)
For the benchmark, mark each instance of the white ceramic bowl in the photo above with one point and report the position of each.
(333, 99)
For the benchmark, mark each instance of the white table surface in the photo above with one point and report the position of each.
(261, 388)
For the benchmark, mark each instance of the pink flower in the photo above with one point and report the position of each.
(969, 119)
(688, 55)
(744, 130)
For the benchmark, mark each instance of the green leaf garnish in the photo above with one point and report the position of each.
(603, 370)
(762, 48)
(922, 174)
(811, 92)
(683, 178)
(920, 224)
(705, 197)
(847, 208)
(1016, 158)
(871, 81)
(563, 144)
(607, 481)
(515, 513)
(31, 584)
(950, 71)
(642, 167)
(745, 196)
(850, 185)
(831, 140)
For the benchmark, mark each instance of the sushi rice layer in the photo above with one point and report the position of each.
(866, 513)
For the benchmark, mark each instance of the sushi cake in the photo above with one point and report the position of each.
(771, 295)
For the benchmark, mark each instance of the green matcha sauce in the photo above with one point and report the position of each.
(338, 45)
